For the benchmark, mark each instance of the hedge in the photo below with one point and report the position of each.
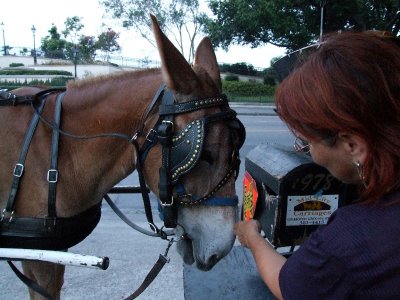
(35, 72)
(246, 88)
(54, 82)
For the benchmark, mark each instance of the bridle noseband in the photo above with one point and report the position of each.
(182, 149)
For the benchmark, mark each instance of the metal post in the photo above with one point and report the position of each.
(4, 39)
(34, 45)
(321, 27)
(75, 53)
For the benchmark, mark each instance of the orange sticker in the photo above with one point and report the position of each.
(250, 196)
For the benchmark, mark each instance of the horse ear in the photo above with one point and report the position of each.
(206, 59)
(178, 75)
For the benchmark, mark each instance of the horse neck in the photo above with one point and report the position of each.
(116, 105)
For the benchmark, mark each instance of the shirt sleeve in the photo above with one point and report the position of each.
(312, 272)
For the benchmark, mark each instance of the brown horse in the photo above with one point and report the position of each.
(127, 103)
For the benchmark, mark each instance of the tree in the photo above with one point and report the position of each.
(294, 24)
(107, 42)
(181, 19)
(83, 46)
(52, 45)
(73, 26)
(87, 46)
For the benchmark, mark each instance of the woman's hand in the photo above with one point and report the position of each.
(247, 230)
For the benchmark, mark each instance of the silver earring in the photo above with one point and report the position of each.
(360, 171)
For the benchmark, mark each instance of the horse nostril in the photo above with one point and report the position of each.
(213, 260)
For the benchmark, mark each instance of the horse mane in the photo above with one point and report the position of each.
(131, 74)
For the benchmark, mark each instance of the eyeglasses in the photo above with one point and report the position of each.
(301, 145)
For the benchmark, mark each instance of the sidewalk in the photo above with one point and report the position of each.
(253, 109)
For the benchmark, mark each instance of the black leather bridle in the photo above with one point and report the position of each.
(182, 149)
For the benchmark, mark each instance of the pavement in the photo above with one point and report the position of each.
(253, 109)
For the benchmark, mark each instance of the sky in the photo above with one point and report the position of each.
(18, 17)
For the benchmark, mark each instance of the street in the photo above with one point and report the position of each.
(133, 254)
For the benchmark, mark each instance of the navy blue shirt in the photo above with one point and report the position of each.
(355, 256)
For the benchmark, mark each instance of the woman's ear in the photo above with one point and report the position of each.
(354, 145)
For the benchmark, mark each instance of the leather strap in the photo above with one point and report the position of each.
(124, 218)
(184, 107)
(19, 167)
(7, 98)
(52, 174)
(165, 133)
(143, 189)
(29, 282)
(162, 260)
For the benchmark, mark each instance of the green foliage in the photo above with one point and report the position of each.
(87, 46)
(295, 24)
(243, 88)
(107, 42)
(180, 19)
(13, 65)
(35, 72)
(54, 82)
(239, 68)
(72, 27)
(78, 47)
(52, 45)
(269, 76)
(231, 77)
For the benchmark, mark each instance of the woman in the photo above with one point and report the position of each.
(343, 105)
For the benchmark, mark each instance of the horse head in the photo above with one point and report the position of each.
(203, 192)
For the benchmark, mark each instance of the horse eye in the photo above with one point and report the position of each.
(206, 156)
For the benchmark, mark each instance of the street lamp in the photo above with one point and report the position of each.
(34, 45)
(75, 54)
(4, 39)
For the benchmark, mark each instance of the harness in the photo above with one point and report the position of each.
(181, 150)
(50, 232)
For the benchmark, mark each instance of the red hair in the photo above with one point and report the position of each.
(351, 83)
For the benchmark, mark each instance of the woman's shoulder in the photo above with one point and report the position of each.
(384, 211)
(360, 225)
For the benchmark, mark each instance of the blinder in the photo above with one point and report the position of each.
(187, 145)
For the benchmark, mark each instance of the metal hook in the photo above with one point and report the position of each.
(171, 241)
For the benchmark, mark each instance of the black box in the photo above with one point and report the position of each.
(295, 195)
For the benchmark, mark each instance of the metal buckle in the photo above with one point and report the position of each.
(18, 170)
(151, 131)
(52, 176)
(170, 122)
(134, 138)
(167, 204)
(10, 96)
(9, 215)
(153, 227)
